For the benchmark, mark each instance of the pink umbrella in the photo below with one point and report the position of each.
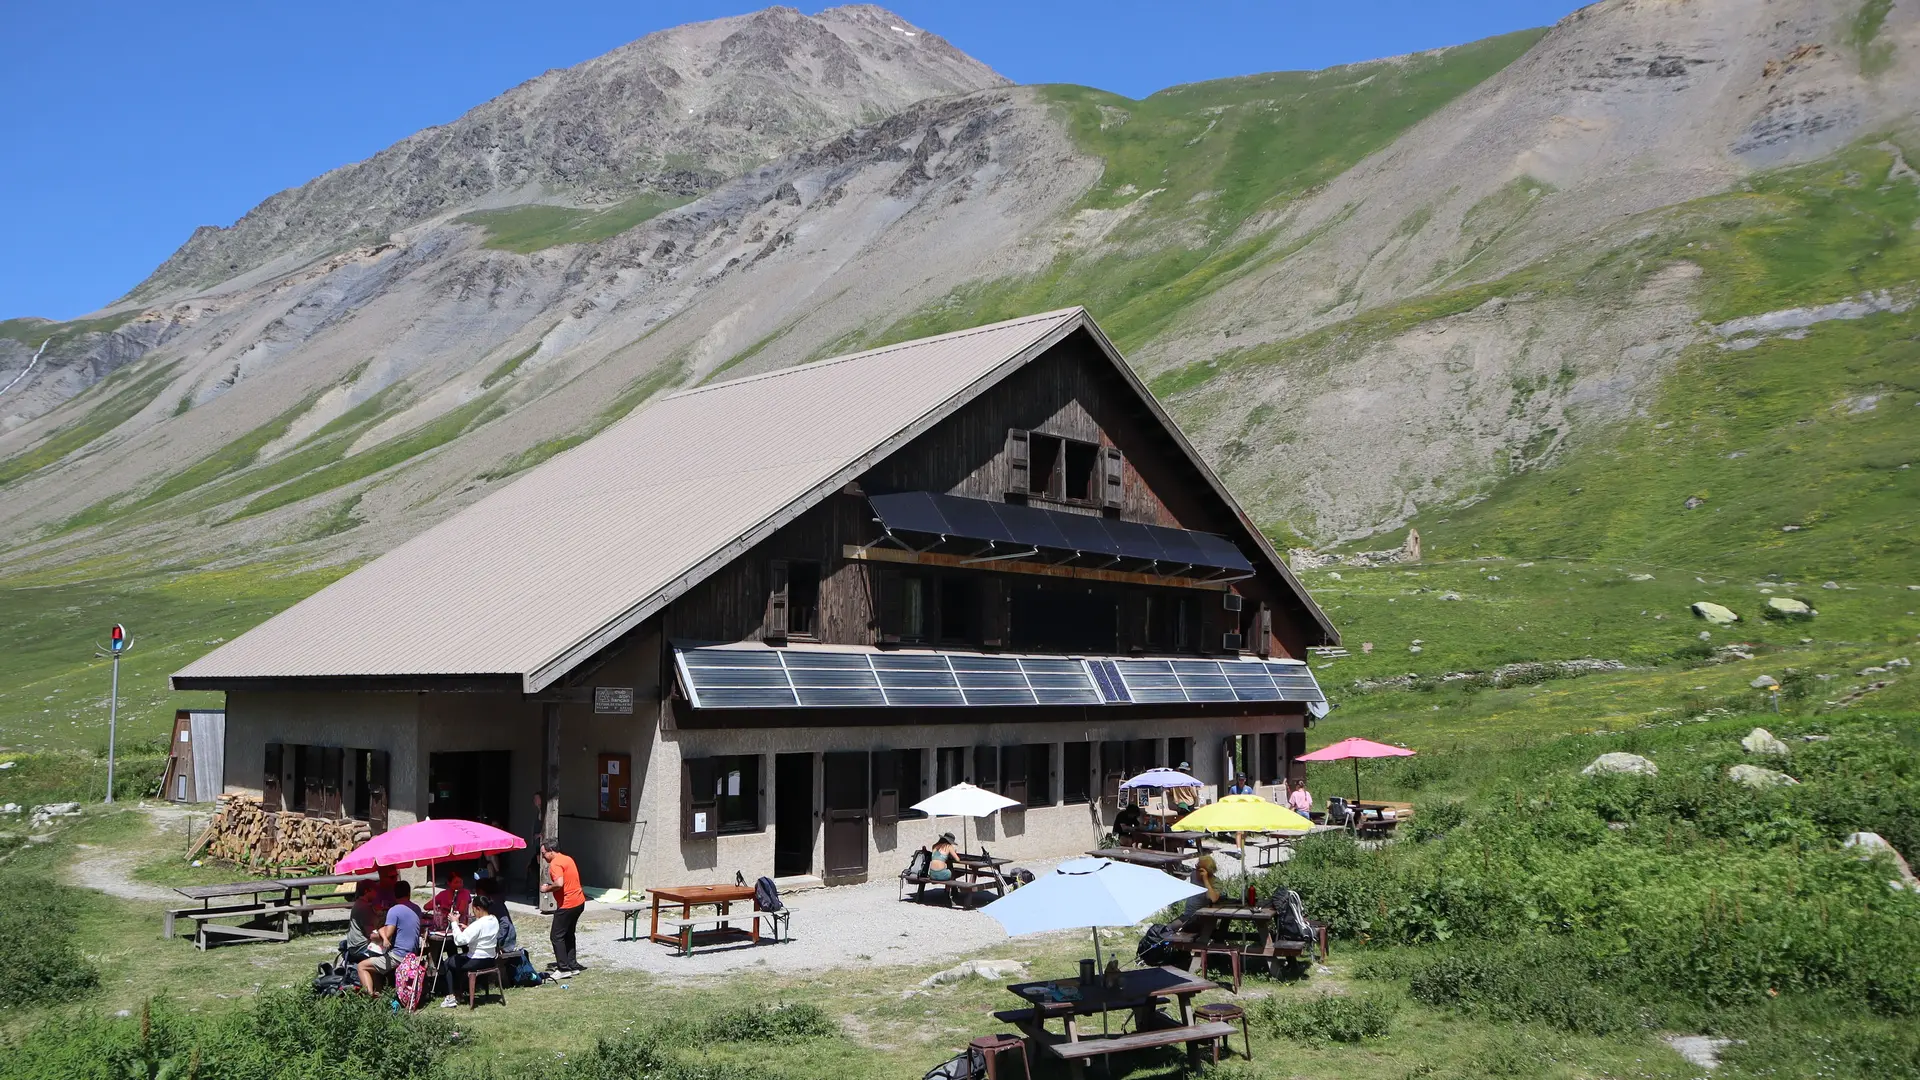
(429, 842)
(1356, 749)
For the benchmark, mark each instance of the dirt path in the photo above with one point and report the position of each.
(110, 870)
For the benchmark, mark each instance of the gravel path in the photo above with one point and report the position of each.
(845, 926)
(111, 871)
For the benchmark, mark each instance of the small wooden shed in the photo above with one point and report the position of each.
(196, 767)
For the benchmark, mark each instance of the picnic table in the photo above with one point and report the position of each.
(686, 927)
(272, 904)
(1269, 844)
(1173, 862)
(1140, 993)
(971, 874)
(1169, 841)
(1380, 819)
(1212, 931)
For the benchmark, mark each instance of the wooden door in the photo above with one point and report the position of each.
(844, 806)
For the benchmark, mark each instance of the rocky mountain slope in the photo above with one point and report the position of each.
(676, 112)
(1370, 292)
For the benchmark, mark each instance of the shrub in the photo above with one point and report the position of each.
(1542, 979)
(40, 963)
(1435, 819)
(1325, 1017)
(783, 1023)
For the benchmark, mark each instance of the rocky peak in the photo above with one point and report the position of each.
(678, 111)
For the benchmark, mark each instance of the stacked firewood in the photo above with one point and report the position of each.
(247, 834)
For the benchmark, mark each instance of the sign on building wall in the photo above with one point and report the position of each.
(613, 699)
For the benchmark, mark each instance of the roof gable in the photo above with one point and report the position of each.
(537, 577)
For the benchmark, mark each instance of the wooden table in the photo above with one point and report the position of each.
(1173, 862)
(983, 873)
(1210, 930)
(1140, 992)
(689, 897)
(1171, 841)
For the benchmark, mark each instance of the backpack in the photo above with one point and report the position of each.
(410, 980)
(917, 866)
(1156, 946)
(969, 1065)
(1289, 918)
(766, 897)
(522, 972)
(1019, 876)
(334, 979)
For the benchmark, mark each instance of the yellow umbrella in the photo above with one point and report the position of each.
(1243, 814)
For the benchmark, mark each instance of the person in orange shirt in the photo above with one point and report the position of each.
(563, 881)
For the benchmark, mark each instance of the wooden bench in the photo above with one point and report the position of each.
(685, 928)
(1139, 1040)
(630, 915)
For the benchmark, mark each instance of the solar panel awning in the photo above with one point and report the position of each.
(933, 513)
(752, 676)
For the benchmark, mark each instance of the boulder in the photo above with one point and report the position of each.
(995, 970)
(1764, 682)
(1617, 762)
(1756, 777)
(1761, 741)
(1871, 844)
(1786, 607)
(1714, 613)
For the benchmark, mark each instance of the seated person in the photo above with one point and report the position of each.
(1127, 822)
(362, 920)
(397, 937)
(1205, 874)
(480, 939)
(453, 902)
(384, 894)
(943, 855)
(509, 937)
(1240, 786)
(1183, 800)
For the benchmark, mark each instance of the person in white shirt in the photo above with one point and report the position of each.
(480, 938)
(1299, 799)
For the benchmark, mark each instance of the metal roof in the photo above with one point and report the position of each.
(538, 576)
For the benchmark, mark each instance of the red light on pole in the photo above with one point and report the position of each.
(119, 636)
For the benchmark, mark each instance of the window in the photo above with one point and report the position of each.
(959, 610)
(906, 771)
(1270, 768)
(1013, 774)
(1081, 459)
(950, 766)
(803, 599)
(1045, 466)
(1179, 750)
(1039, 762)
(737, 792)
(1076, 773)
(1173, 621)
(1065, 618)
(905, 614)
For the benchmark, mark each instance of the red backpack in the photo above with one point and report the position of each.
(410, 980)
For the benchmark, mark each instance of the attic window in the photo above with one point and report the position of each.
(803, 599)
(1065, 470)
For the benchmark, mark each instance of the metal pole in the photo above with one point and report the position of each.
(113, 717)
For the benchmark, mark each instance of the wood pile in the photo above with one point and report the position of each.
(245, 833)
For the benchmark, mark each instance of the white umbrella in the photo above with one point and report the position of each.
(963, 800)
(1162, 778)
(1089, 892)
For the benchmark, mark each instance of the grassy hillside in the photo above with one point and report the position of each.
(1190, 165)
(527, 229)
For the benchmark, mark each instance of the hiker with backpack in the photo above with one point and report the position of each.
(394, 941)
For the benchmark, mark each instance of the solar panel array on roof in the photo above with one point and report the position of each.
(937, 514)
(719, 677)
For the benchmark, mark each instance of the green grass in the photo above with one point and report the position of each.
(527, 229)
(531, 456)
(236, 455)
(1875, 55)
(31, 332)
(53, 691)
(104, 406)
(668, 375)
(508, 366)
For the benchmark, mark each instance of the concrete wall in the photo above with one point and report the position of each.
(1039, 832)
(389, 722)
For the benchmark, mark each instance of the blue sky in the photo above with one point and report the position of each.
(127, 125)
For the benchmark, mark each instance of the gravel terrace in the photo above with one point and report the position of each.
(844, 926)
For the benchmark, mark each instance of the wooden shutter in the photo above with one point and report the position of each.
(1113, 478)
(699, 803)
(1263, 632)
(775, 628)
(886, 786)
(1296, 744)
(1136, 611)
(1229, 756)
(377, 790)
(1113, 769)
(1019, 461)
(986, 767)
(270, 778)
